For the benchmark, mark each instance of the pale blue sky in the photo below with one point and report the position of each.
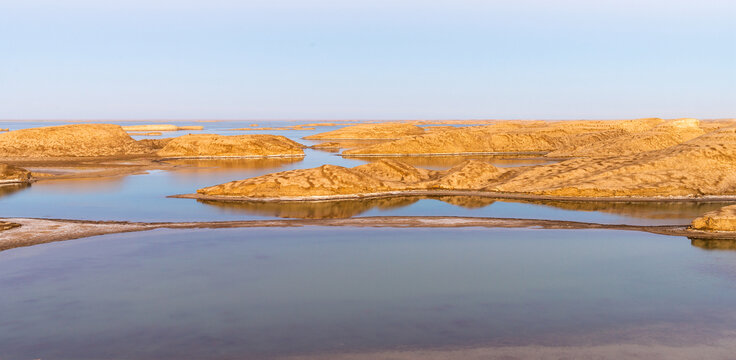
(319, 59)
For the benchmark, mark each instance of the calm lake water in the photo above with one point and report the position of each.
(144, 197)
(267, 293)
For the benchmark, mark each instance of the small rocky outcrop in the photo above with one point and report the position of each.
(10, 174)
(723, 219)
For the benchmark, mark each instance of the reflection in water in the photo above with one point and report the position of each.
(646, 210)
(6, 190)
(205, 165)
(713, 244)
(313, 210)
(446, 162)
(347, 208)
(108, 184)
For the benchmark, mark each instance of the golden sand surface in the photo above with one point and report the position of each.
(377, 177)
(508, 137)
(154, 133)
(160, 127)
(80, 140)
(701, 167)
(10, 174)
(662, 136)
(389, 130)
(723, 219)
(209, 145)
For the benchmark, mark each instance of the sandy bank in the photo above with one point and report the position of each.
(39, 231)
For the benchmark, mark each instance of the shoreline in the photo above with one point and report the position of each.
(35, 231)
(487, 194)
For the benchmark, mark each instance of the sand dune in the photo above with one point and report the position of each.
(83, 140)
(667, 134)
(508, 137)
(700, 167)
(208, 145)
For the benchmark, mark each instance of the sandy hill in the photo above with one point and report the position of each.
(208, 145)
(702, 166)
(508, 137)
(13, 174)
(378, 177)
(723, 219)
(80, 140)
(369, 131)
(662, 136)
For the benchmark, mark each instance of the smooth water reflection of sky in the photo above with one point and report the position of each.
(256, 293)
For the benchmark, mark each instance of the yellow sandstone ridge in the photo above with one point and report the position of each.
(507, 137)
(384, 176)
(209, 145)
(723, 219)
(667, 134)
(389, 130)
(160, 127)
(699, 167)
(81, 140)
(12, 174)
(703, 166)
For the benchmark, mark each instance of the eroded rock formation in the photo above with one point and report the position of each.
(723, 219)
(81, 140)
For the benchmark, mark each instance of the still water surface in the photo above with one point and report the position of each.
(262, 293)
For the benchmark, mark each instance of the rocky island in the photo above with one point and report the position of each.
(723, 219)
(700, 168)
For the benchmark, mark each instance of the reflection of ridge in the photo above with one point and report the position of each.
(348, 208)
(200, 165)
(644, 210)
(9, 189)
(313, 210)
(713, 244)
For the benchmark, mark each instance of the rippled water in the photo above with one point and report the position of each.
(260, 293)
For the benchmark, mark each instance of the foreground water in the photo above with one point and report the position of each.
(262, 293)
